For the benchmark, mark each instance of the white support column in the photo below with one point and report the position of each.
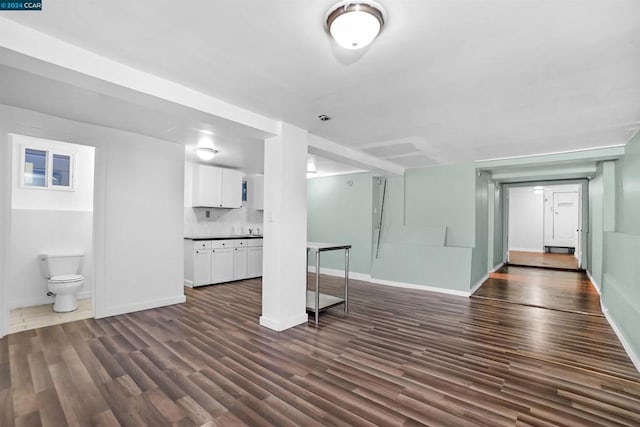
(284, 271)
(5, 227)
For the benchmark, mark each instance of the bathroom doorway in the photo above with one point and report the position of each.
(51, 213)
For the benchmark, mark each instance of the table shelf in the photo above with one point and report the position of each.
(317, 301)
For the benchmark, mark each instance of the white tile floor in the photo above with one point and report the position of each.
(23, 319)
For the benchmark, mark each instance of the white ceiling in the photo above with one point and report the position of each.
(447, 81)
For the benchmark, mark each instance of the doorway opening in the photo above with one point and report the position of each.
(49, 262)
(544, 227)
(544, 246)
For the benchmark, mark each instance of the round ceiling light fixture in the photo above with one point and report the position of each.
(353, 24)
(205, 149)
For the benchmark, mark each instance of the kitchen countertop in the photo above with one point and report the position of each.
(224, 237)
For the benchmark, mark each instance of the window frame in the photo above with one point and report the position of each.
(49, 167)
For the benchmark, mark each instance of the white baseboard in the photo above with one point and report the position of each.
(368, 278)
(145, 305)
(593, 282)
(420, 287)
(340, 273)
(478, 284)
(188, 283)
(635, 359)
(283, 324)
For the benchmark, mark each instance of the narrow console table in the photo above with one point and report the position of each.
(316, 301)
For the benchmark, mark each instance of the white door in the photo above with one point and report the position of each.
(222, 265)
(562, 228)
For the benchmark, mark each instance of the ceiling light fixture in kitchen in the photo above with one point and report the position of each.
(354, 24)
(205, 149)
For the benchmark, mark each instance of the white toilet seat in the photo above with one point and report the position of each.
(66, 278)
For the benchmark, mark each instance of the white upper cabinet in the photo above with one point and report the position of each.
(231, 188)
(216, 187)
(256, 192)
(207, 186)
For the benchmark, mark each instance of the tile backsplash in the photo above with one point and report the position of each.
(221, 221)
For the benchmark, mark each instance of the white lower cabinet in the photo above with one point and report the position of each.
(240, 263)
(201, 267)
(217, 261)
(254, 262)
(221, 265)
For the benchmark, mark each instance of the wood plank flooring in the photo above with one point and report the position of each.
(399, 357)
(547, 260)
(554, 289)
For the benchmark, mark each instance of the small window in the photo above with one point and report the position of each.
(46, 169)
(61, 171)
(35, 168)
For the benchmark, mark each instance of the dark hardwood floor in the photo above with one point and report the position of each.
(547, 260)
(399, 357)
(558, 290)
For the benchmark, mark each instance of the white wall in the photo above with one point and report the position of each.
(48, 221)
(35, 232)
(80, 199)
(5, 229)
(138, 215)
(526, 222)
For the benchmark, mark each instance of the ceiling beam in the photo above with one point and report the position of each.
(568, 157)
(555, 173)
(339, 153)
(71, 60)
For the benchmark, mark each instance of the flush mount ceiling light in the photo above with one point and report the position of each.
(205, 149)
(353, 24)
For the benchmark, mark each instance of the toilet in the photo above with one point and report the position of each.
(64, 281)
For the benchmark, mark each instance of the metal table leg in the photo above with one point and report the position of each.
(317, 285)
(346, 280)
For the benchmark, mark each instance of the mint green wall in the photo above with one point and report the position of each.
(423, 203)
(435, 266)
(629, 191)
(394, 202)
(418, 208)
(498, 226)
(443, 195)
(481, 249)
(621, 267)
(341, 213)
(596, 232)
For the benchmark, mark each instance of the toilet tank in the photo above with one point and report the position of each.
(60, 264)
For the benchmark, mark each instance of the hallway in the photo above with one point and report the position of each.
(569, 291)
